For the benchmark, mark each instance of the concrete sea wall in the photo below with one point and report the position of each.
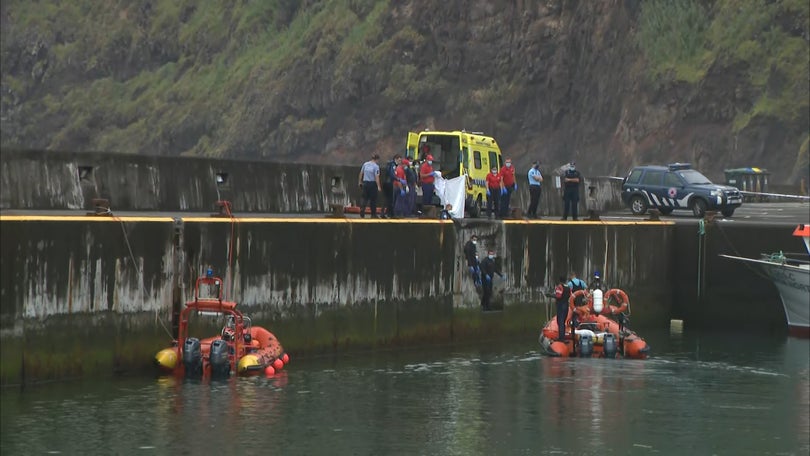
(84, 295)
(64, 181)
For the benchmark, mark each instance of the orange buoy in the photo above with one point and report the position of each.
(278, 364)
(286, 358)
(269, 371)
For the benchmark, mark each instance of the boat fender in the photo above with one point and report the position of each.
(597, 301)
(610, 346)
(585, 345)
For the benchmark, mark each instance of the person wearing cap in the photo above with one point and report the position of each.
(369, 182)
(489, 267)
(571, 182)
(494, 190)
(535, 181)
(509, 185)
(427, 176)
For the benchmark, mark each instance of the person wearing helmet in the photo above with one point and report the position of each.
(597, 282)
(427, 176)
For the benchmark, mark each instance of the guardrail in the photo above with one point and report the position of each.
(762, 196)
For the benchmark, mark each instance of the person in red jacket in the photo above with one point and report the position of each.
(494, 190)
(509, 185)
(427, 177)
(400, 190)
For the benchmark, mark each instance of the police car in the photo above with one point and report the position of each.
(677, 186)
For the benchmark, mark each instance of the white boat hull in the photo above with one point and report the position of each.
(793, 284)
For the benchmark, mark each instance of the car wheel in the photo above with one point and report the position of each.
(637, 205)
(699, 207)
(727, 212)
(665, 210)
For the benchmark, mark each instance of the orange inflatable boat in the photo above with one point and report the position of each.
(596, 333)
(240, 347)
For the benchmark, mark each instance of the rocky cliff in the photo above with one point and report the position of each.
(608, 83)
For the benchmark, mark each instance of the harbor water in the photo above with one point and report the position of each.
(699, 394)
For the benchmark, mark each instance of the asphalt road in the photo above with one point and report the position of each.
(791, 213)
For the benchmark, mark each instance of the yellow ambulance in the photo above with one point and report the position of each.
(456, 153)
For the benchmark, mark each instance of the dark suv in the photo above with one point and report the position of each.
(677, 186)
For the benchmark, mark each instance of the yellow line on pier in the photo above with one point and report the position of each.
(92, 218)
(80, 218)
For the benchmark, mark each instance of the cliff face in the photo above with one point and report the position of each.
(607, 83)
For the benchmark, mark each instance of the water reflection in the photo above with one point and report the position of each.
(701, 394)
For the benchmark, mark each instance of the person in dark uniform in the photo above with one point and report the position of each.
(471, 254)
(488, 269)
(410, 178)
(388, 183)
(571, 181)
(597, 282)
(561, 295)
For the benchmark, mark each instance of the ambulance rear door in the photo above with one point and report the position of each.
(412, 145)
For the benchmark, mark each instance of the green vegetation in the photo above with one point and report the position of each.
(163, 76)
(259, 78)
(682, 41)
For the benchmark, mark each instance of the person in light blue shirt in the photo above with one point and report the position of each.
(535, 187)
(369, 182)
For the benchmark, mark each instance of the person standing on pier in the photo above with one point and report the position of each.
(427, 176)
(410, 178)
(488, 270)
(509, 185)
(535, 180)
(571, 180)
(494, 192)
(369, 182)
(388, 183)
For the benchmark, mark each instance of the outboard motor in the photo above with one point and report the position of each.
(610, 346)
(218, 358)
(192, 357)
(585, 345)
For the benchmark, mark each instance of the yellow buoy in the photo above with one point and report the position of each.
(166, 358)
(246, 362)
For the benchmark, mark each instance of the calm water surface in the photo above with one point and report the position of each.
(699, 394)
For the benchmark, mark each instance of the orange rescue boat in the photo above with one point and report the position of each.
(596, 334)
(240, 347)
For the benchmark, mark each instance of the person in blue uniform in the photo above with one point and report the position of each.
(571, 181)
(489, 268)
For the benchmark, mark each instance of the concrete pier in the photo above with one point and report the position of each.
(88, 295)
(83, 294)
